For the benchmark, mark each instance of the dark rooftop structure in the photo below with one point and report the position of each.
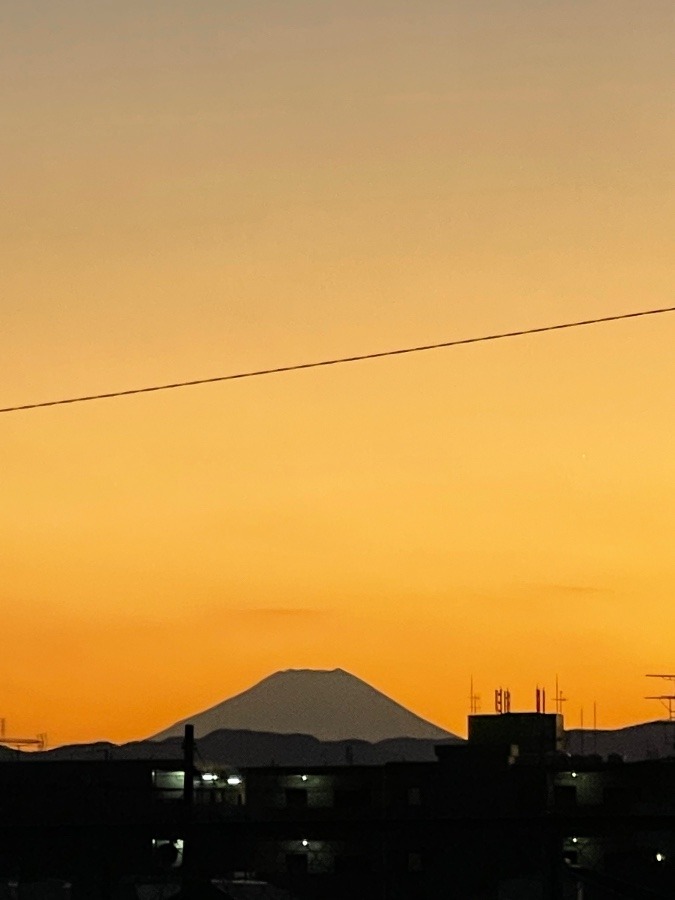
(535, 734)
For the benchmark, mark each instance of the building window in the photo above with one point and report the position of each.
(168, 785)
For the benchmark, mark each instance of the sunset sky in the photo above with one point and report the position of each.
(197, 187)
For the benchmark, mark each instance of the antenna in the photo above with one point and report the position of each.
(36, 743)
(474, 700)
(666, 700)
(502, 701)
(559, 699)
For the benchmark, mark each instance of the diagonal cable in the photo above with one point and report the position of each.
(296, 367)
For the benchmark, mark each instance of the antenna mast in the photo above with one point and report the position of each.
(36, 743)
(502, 701)
(474, 700)
(559, 699)
(666, 700)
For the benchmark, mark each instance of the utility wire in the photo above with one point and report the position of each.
(338, 361)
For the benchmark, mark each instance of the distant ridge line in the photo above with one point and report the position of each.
(642, 741)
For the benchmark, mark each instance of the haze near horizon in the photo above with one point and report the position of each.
(196, 189)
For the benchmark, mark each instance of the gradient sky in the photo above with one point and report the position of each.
(196, 188)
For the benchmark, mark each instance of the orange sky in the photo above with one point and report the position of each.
(191, 189)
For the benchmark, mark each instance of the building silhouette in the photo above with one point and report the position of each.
(506, 815)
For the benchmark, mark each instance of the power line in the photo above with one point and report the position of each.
(278, 370)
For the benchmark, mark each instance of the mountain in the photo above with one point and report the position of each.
(648, 740)
(240, 748)
(249, 748)
(330, 705)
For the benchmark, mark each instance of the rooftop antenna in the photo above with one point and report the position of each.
(667, 700)
(502, 701)
(540, 698)
(474, 700)
(559, 699)
(16, 743)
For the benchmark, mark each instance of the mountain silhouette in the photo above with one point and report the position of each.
(242, 749)
(330, 705)
(648, 740)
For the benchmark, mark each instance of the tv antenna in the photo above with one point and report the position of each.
(16, 743)
(474, 700)
(666, 700)
(558, 699)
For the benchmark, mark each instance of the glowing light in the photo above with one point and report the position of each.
(209, 776)
(233, 780)
(303, 777)
(660, 857)
(305, 843)
(574, 774)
